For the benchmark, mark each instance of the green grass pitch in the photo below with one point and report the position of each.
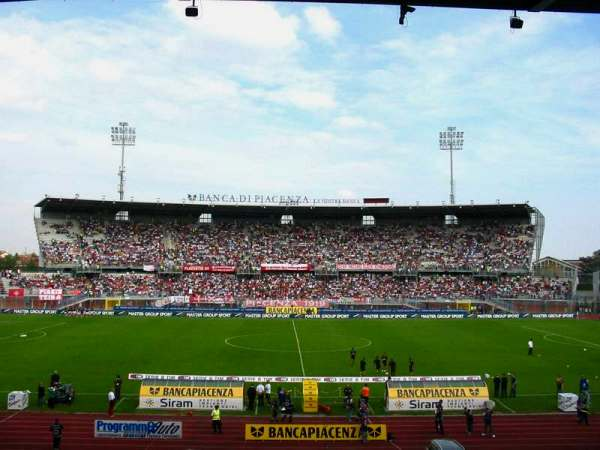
(90, 351)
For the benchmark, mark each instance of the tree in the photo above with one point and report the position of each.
(591, 263)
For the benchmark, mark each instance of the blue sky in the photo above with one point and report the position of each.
(328, 101)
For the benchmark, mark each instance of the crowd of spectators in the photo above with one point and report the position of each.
(297, 286)
(91, 243)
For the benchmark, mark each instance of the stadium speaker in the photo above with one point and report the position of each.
(191, 11)
(516, 23)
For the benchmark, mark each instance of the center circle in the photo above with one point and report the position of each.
(263, 342)
(24, 336)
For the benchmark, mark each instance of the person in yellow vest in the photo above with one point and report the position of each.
(215, 415)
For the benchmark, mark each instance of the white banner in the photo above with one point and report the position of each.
(17, 400)
(397, 404)
(50, 294)
(567, 402)
(191, 403)
(255, 379)
(286, 268)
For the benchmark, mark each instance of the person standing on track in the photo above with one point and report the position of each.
(41, 394)
(268, 392)
(111, 403)
(365, 392)
(260, 393)
(215, 416)
(439, 417)
(118, 382)
(469, 418)
(56, 429)
(251, 397)
(487, 423)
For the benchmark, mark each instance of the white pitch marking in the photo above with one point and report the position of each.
(505, 405)
(299, 351)
(228, 340)
(548, 333)
(31, 331)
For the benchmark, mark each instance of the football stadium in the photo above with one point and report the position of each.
(271, 318)
(199, 303)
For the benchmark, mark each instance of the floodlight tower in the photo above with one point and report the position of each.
(451, 140)
(122, 135)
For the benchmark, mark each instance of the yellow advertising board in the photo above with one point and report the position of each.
(310, 393)
(191, 391)
(439, 393)
(201, 396)
(424, 393)
(312, 432)
(302, 310)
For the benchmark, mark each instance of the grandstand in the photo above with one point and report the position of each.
(167, 254)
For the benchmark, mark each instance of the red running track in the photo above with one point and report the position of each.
(30, 431)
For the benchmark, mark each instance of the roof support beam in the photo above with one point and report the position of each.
(542, 5)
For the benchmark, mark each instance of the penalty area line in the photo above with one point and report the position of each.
(298, 345)
(505, 405)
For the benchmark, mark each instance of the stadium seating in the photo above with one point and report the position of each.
(299, 286)
(91, 243)
(432, 262)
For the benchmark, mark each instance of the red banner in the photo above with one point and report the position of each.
(258, 303)
(366, 267)
(286, 268)
(50, 294)
(73, 292)
(16, 292)
(207, 268)
(198, 299)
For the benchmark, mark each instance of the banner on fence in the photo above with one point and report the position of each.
(196, 299)
(208, 268)
(16, 292)
(50, 294)
(305, 303)
(299, 310)
(418, 394)
(286, 268)
(247, 378)
(192, 394)
(366, 267)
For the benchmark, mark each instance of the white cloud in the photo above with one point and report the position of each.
(105, 70)
(356, 122)
(322, 23)
(307, 98)
(249, 24)
(12, 137)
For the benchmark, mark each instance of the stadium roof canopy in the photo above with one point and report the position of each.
(578, 6)
(112, 207)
